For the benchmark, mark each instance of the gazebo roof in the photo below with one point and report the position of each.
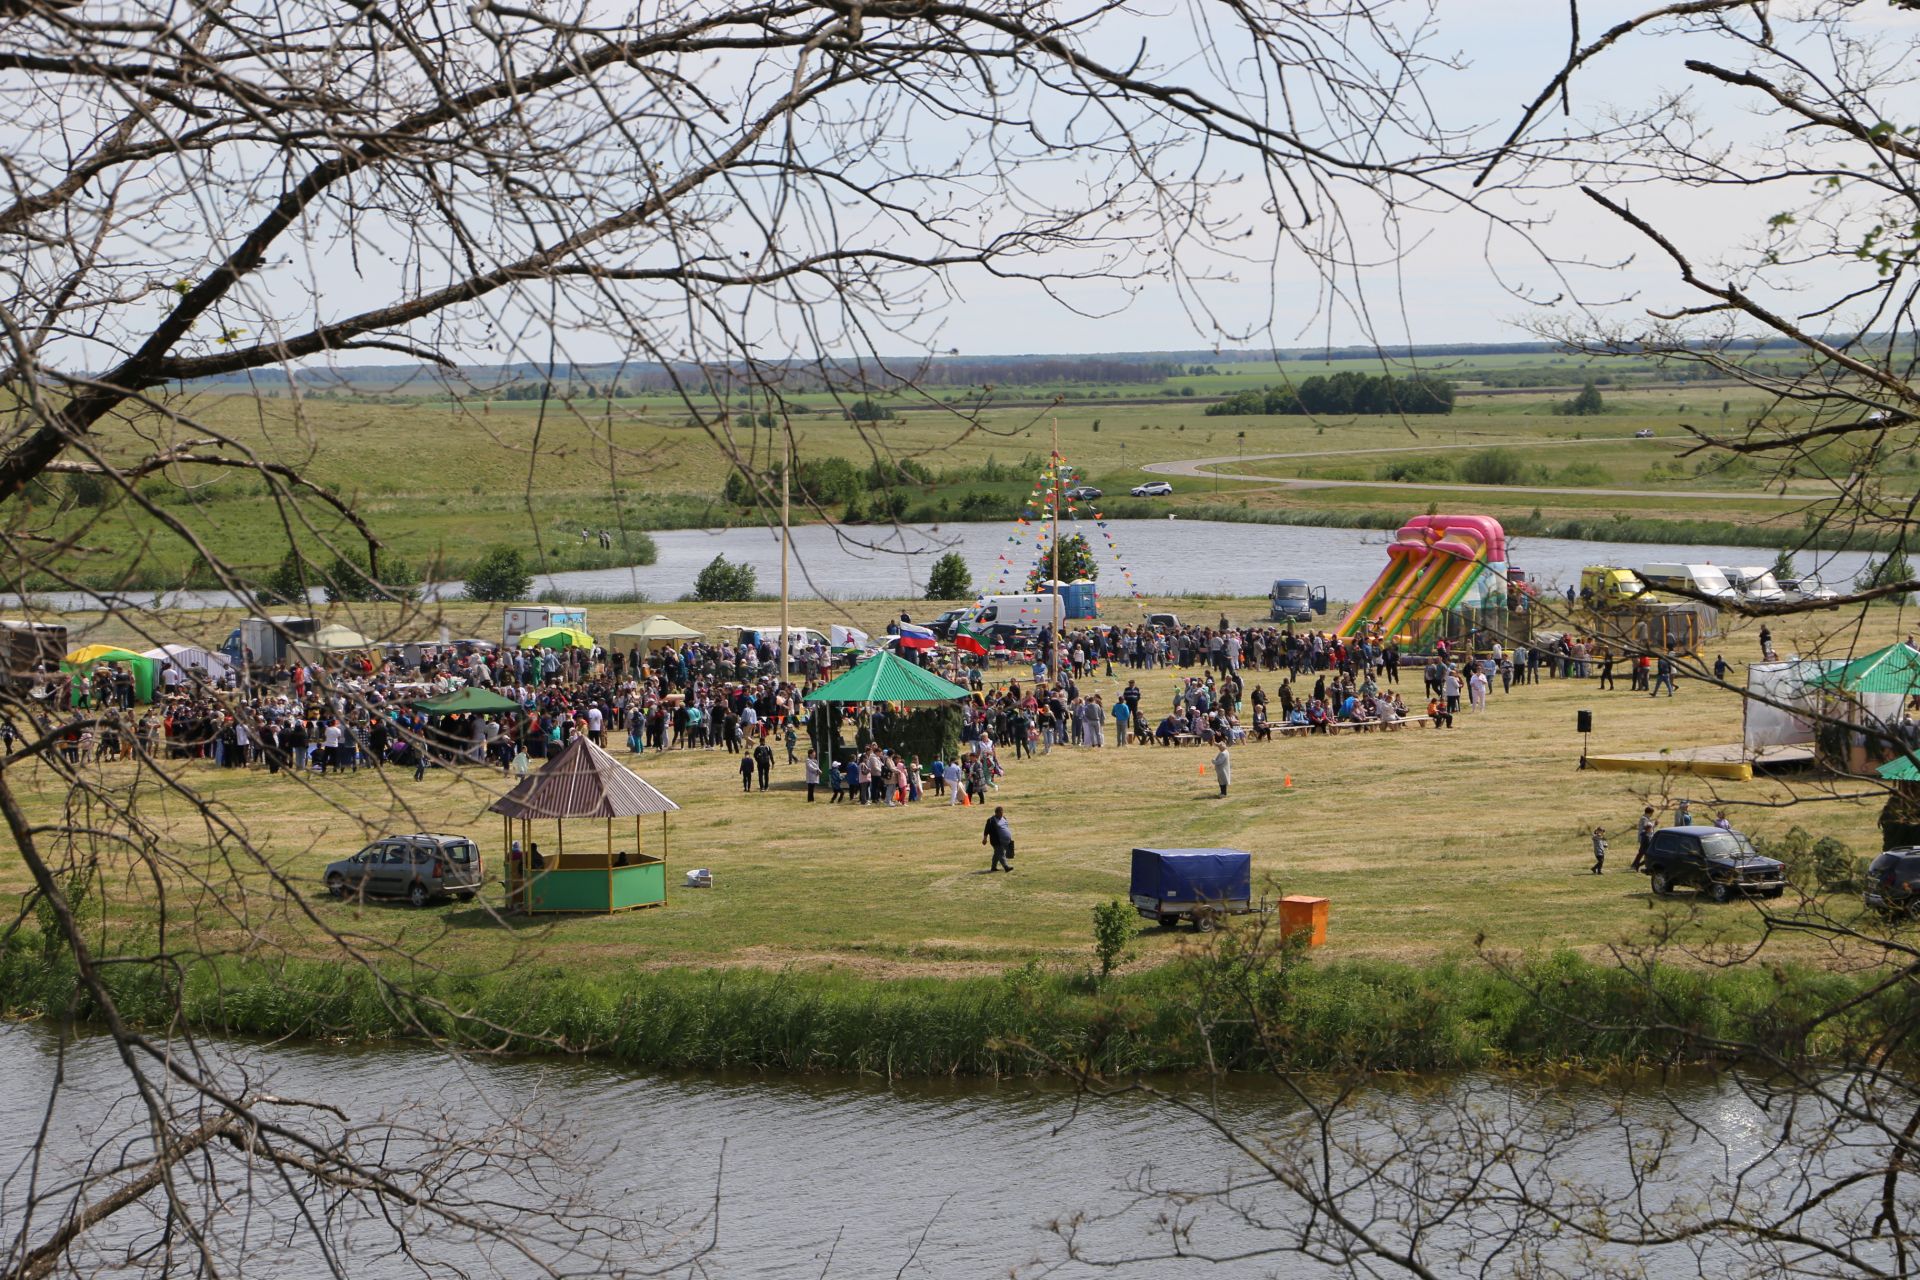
(885, 678)
(1894, 669)
(466, 699)
(1899, 769)
(582, 781)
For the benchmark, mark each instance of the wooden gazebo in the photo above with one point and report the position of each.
(583, 782)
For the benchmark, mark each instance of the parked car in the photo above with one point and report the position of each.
(419, 867)
(1151, 489)
(1163, 621)
(1085, 493)
(1807, 590)
(1644, 433)
(1893, 883)
(943, 625)
(1718, 864)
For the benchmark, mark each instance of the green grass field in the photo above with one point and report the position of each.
(439, 482)
(1427, 842)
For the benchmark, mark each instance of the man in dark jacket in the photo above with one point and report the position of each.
(1000, 836)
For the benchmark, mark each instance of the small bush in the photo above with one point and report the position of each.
(1493, 466)
(1113, 929)
(950, 579)
(501, 573)
(724, 580)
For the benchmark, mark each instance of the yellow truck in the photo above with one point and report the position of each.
(1620, 608)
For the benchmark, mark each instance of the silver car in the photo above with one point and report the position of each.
(419, 867)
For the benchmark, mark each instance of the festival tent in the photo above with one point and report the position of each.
(583, 781)
(885, 678)
(466, 701)
(1894, 669)
(334, 638)
(656, 631)
(191, 658)
(556, 638)
(1900, 769)
(81, 662)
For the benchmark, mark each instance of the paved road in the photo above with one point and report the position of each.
(1202, 469)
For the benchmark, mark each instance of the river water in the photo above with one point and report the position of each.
(832, 1177)
(1159, 557)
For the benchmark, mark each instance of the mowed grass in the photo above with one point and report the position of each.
(1427, 842)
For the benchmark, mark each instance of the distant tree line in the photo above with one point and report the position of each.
(1347, 392)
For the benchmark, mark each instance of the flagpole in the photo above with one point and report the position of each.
(1053, 657)
(786, 539)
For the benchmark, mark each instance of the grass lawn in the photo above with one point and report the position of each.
(1424, 840)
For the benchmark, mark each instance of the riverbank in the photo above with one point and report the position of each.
(1028, 1021)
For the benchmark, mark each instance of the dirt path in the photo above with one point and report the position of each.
(1203, 469)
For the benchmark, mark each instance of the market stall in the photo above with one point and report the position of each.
(657, 632)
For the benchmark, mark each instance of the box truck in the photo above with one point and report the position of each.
(518, 619)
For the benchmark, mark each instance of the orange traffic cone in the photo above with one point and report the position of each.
(1288, 784)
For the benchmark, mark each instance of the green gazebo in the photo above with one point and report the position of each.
(470, 700)
(885, 678)
(582, 781)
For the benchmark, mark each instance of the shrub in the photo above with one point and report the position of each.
(950, 579)
(1417, 471)
(84, 489)
(1113, 929)
(1076, 562)
(1493, 466)
(724, 580)
(1585, 404)
(347, 579)
(287, 584)
(1884, 572)
(1582, 475)
(501, 573)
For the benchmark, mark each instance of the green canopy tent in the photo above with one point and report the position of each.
(1894, 669)
(467, 701)
(556, 638)
(1869, 693)
(885, 678)
(1900, 769)
(80, 664)
(930, 730)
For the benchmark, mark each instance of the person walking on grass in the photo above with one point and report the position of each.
(763, 762)
(746, 771)
(1599, 849)
(1223, 768)
(1644, 830)
(813, 773)
(1000, 836)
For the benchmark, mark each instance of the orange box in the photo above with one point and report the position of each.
(1310, 914)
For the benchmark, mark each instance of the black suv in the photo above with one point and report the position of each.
(1718, 863)
(1893, 883)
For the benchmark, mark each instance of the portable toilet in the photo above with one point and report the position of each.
(1082, 599)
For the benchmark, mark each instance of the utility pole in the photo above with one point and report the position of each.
(786, 536)
(1053, 654)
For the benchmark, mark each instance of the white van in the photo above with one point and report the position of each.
(1700, 579)
(1019, 612)
(1756, 586)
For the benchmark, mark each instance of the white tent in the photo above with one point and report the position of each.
(190, 658)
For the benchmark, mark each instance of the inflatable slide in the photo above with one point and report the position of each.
(1434, 564)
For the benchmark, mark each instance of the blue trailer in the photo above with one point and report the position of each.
(1200, 885)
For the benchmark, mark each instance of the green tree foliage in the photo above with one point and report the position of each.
(950, 579)
(347, 579)
(1585, 404)
(1493, 466)
(1349, 391)
(85, 489)
(501, 573)
(1113, 929)
(1076, 562)
(819, 481)
(1887, 570)
(288, 582)
(724, 580)
(865, 410)
(1783, 566)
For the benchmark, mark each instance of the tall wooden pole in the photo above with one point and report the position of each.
(786, 539)
(1053, 655)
